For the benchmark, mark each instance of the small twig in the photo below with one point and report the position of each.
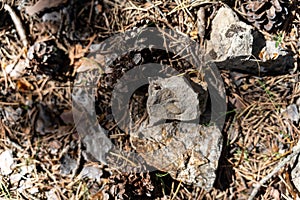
(157, 9)
(9, 103)
(201, 24)
(5, 78)
(177, 190)
(91, 12)
(18, 24)
(124, 158)
(296, 151)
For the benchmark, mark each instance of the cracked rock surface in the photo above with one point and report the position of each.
(188, 151)
(174, 98)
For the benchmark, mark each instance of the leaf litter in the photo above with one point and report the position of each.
(261, 128)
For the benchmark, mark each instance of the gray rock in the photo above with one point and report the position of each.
(96, 143)
(235, 45)
(93, 136)
(67, 165)
(188, 151)
(174, 98)
(229, 36)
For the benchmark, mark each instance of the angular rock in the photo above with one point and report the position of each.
(235, 45)
(229, 37)
(93, 136)
(188, 151)
(96, 144)
(174, 98)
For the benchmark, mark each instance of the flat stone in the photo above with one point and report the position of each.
(67, 164)
(291, 113)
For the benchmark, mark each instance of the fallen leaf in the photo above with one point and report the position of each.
(42, 5)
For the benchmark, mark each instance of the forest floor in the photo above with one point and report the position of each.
(40, 152)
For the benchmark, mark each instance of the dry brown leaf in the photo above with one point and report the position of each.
(42, 5)
(23, 85)
(77, 51)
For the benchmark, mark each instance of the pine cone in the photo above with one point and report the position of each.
(47, 58)
(265, 14)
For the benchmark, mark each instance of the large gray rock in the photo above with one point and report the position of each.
(189, 152)
(235, 45)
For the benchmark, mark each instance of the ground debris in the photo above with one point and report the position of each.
(266, 15)
(262, 122)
